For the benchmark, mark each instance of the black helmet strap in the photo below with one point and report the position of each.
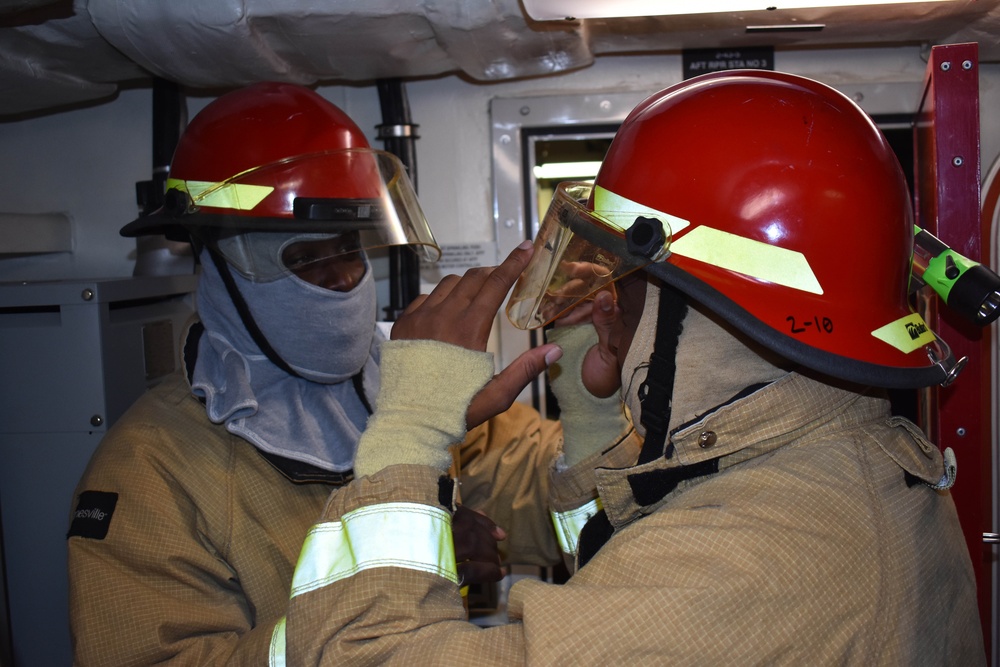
(248, 321)
(656, 392)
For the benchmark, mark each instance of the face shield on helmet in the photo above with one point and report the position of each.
(382, 211)
(791, 219)
(576, 255)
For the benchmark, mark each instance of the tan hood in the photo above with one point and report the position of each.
(713, 364)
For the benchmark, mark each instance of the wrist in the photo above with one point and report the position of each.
(425, 390)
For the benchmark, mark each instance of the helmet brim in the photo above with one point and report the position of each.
(157, 222)
(827, 363)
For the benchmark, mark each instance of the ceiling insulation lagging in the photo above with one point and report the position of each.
(55, 53)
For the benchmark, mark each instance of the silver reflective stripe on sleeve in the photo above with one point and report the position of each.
(569, 524)
(409, 535)
(276, 656)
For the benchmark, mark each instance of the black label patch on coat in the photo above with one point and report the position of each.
(92, 516)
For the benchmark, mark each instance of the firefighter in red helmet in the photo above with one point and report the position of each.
(746, 250)
(193, 511)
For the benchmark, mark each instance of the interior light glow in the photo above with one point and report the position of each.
(561, 10)
(566, 170)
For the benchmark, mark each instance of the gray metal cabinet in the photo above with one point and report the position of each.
(74, 355)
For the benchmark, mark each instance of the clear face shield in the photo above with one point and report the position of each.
(374, 206)
(578, 252)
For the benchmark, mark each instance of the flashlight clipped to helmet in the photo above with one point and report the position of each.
(967, 287)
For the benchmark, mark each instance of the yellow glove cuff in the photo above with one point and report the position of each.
(589, 423)
(425, 390)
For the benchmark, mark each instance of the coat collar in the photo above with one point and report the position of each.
(752, 426)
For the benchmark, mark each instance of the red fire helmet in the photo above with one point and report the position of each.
(783, 209)
(273, 163)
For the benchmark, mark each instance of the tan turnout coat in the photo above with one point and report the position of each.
(196, 566)
(819, 541)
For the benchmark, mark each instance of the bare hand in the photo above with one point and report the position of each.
(581, 313)
(600, 373)
(460, 311)
(566, 298)
(501, 392)
(476, 552)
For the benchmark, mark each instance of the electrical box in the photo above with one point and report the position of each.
(74, 356)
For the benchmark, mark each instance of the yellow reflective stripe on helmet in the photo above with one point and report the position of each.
(712, 246)
(906, 334)
(239, 196)
(622, 211)
(408, 535)
(276, 654)
(749, 257)
(569, 524)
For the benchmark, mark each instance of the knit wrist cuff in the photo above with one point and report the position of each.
(426, 388)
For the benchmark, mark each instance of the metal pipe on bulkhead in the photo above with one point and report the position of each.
(399, 135)
(155, 255)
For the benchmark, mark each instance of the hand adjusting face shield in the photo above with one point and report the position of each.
(385, 212)
(579, 251)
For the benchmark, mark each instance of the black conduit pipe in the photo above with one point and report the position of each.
(399, 135)
(155, 255)
(168, 109)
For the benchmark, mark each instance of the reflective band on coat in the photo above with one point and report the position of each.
(276, 654)
(408, 535)
(239, 196)
(906, 334)
(569, 524)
